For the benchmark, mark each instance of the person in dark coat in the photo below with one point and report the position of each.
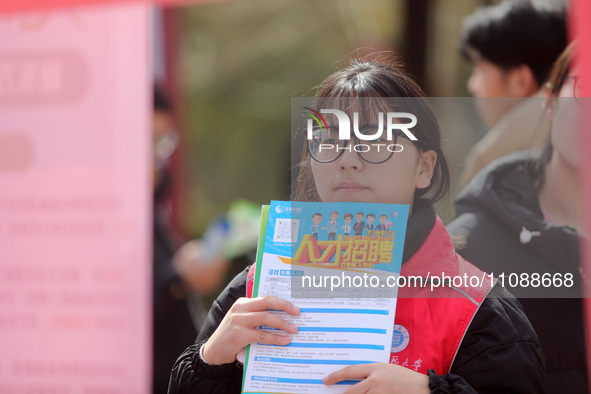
(521, 216)
(172, 323)
(181, 273)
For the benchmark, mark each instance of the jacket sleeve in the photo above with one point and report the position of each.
(499, 354)
(192, 375)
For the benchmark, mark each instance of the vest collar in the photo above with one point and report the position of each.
(427, 246)
(419, 226)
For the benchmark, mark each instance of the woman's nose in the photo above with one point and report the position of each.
(350, 158)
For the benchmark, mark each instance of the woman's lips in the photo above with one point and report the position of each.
(350, 188)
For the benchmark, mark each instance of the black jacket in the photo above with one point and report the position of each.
(499, 345)
(491, 213)
(172, 322)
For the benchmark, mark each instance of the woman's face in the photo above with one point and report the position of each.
(565, 120)
(350, 178)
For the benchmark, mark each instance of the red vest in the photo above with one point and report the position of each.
(430, 325)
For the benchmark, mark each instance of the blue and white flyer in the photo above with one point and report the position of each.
(338, 263)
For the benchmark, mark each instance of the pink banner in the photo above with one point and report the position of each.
(75, 201)
(7, 6)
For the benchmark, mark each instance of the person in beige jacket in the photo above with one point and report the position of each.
(512, 46)
(520, 128)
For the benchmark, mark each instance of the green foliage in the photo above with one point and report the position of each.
(241, 62)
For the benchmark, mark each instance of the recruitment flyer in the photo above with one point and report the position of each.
(308, 243)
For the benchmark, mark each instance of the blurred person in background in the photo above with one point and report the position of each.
(512, 46)
(181, 271)
(523, 214)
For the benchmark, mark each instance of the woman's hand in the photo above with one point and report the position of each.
(239, 328)
(381, 378)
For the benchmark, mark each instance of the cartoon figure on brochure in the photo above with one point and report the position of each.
(316, 219)
(359, 224)
(332, 226)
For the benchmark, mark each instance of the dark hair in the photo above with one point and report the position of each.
(161, 101)
(359, 213)
(558, 74)
(348, 215)
(317, 214)
(384, 215)
(515, 32)
(372, 79)
(371, 214)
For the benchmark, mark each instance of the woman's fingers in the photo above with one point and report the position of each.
(275, 303)
(381, 378)
(359, 371)
(263, 303)
(271, 320)
(260, 336)
(254, 320)
(262, 318)
(240, 327)
(227, 340)
(222, 347)
(359, 388)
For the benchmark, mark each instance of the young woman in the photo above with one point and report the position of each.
(522, 215)
(460, 340)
